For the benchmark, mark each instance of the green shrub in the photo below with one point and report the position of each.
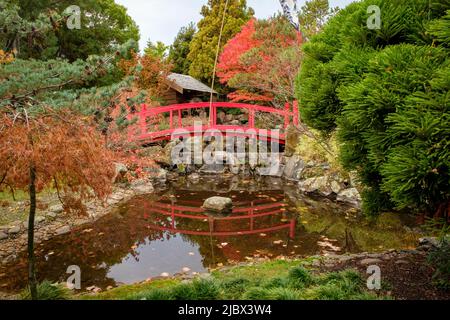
(300, 277)
(206, 289)
(235, 288)
(386, 92)
(48, 291)
(184, 292)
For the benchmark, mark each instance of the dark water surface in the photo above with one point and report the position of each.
(168, 232)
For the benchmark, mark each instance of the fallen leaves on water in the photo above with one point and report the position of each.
(263, 235)
(278, 242)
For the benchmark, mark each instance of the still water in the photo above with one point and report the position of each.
(169, 232)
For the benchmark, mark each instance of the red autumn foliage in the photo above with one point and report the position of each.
(66, 153)
(150, 73)
(230, 60)
(262, 62)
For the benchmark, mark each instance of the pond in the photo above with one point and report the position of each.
(168, 233)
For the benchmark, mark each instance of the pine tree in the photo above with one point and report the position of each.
(180, 49)
(38, 29)
(204, 45)
(313, 16)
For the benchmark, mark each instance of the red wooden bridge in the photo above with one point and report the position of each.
(251, 212)
(150, 128)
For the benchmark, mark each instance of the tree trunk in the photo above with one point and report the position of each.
(31, 259)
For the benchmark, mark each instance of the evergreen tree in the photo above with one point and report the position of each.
(386, 91)
(157, 50)
(38, 28)
(180, 49)
(203, 48)
(313, 16)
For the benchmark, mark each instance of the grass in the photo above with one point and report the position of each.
(48, 291)
(11, 211)
(275, 280)
(135, 290)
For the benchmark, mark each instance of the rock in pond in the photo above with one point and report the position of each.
(218, 204)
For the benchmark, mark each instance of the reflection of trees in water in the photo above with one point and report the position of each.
(93, 248)
(107, 242)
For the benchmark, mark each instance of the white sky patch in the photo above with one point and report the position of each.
(160, 20)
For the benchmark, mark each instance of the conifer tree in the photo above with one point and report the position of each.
(180, 49)
(386, 91)
(204, 45)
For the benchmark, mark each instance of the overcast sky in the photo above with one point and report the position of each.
(160, 20)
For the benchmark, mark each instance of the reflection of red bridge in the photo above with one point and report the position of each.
(150, 128)
(257, 209)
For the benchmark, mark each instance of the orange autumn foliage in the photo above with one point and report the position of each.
(66, 153)
(150, 73)
(6, 57)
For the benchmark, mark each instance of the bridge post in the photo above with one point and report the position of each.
(296, 112)
(287, 112)
(180, 121)
(292, 228)
(171, 119)
(251, 118)
(143, 119)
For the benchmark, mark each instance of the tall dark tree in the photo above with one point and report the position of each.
(180, 49)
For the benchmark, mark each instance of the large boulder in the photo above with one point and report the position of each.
(294, 168)
(274, 170)
(218, 204)
(315, 185)
(350, 196)
(324, 185)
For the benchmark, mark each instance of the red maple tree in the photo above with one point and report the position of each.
(261, 62)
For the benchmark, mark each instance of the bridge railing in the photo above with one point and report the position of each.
(154, 114)
(251, 213)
